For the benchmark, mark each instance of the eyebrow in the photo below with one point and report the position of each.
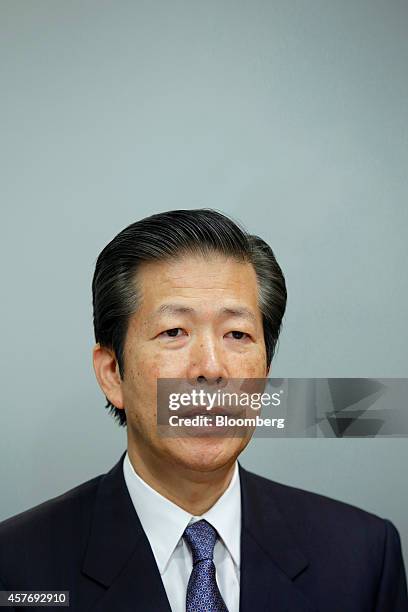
(238, 312)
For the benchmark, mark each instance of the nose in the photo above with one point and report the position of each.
(206, 364)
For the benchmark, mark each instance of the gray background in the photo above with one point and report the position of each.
(291, 117)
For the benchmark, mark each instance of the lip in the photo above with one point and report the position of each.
(216, 411)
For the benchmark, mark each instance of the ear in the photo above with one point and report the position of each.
(107, 373)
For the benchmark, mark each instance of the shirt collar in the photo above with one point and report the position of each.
(164, 522)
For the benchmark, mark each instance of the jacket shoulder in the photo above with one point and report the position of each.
(313, 513)
(66, 508)
(338, 539)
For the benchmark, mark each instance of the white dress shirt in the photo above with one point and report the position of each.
(164, 523)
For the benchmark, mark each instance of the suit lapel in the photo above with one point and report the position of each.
(119, 556)
(124, 574)
(270, 558)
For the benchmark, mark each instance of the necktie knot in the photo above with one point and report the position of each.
(201, 537)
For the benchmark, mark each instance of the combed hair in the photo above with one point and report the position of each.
(168, 235)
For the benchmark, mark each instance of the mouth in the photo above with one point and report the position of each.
(199, 422)
(215, 411)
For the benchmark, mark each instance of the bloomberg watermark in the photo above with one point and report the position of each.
(283, 407)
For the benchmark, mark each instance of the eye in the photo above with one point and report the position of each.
(238, 335)
(171, 333)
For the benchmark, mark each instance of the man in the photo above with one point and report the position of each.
(178, 524)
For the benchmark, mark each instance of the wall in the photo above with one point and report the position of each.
(291, 117)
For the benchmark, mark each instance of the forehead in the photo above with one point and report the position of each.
(202, 280)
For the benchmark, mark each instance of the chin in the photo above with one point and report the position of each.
(205, 454)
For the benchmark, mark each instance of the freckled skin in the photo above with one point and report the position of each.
(204, 347)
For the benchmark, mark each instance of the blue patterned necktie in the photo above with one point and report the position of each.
(203, 594)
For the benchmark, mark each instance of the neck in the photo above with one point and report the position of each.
(194, 491)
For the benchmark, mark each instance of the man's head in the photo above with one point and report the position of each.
(182, 294)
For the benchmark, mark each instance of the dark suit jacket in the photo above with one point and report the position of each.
(300, 552)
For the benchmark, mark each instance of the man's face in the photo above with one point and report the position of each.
(183, 328)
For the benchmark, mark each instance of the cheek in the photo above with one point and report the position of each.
(153, 365)
(163, 364)
(251, 366)
(257, 371)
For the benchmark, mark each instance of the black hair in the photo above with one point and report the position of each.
(168, 235)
